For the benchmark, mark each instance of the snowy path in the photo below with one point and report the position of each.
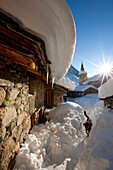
(62, 143)
(98, 151)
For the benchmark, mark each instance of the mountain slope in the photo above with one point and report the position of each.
(72, 74)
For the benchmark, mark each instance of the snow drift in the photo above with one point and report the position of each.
(98, 151)
(62, 144)
(57, 143)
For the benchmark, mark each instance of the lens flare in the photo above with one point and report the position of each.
(104, 68)
(106, 71)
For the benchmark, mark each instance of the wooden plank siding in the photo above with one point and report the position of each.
(22, 47)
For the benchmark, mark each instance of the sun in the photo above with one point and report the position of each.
(106, 68)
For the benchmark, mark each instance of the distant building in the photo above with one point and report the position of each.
(82, 75)
(82, 90)
(96, 80)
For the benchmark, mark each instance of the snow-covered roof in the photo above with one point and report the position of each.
(82, 88)
(94, 78)
(53, 22)
(106, 90)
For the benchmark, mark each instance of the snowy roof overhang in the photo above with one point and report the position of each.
(106, 90)
(52, 21)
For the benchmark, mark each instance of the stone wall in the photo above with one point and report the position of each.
(14, 112)
(17, 108)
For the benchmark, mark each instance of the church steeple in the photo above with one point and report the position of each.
(82, 75)
(82, 67)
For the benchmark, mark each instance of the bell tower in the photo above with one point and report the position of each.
(82, 75)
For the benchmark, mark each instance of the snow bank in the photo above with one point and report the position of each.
(98, 152)
(60, 143)
(106, 90)
(92, 104)
(56, 145)
(53, 22)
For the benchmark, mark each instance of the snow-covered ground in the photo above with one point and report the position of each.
(91, 103)
(62, 142)
(98, 150)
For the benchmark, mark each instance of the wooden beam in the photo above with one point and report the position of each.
(17, 57)
(21, 45)
(22, 60)
(18, 37)
(20, 42)
(16, 40)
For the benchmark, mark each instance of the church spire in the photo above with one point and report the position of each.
(82, 67)
(82, 75)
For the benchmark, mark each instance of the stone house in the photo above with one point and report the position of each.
(24, 91)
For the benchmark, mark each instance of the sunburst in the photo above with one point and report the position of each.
(104, 68)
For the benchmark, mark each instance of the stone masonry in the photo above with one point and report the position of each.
(21, 104)
(15, 120)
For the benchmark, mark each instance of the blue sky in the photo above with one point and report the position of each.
(94, 32)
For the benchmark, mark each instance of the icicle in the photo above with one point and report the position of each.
(47, 72)
(53, 79)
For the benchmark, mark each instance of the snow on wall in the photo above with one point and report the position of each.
(53, 22)
(106, 90)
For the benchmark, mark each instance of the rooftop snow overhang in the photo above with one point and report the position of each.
(106, 90)
(52, 21)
